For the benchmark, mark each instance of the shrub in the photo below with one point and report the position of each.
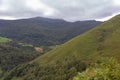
(106, 69)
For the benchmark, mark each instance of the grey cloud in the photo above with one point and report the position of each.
(84, 9)
(18, 9)
(67, 9)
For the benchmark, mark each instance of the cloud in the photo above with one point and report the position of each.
(71, 10)
(36, 5)
(84, 9)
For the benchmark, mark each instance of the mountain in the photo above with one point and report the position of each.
(63, 62)
(44, 31)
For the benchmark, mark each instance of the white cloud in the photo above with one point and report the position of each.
(107, 18)
(36, 5)
(117, 2)
(7, 18)
(3, 6)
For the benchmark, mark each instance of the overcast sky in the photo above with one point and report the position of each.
(71, 10)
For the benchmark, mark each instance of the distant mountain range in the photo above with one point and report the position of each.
(44, 31)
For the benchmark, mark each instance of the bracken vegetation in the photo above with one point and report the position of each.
(105, 69)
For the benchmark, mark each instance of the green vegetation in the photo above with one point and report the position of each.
(73, 56)
(3, 39)
(13, 54)
(43, 31)
(105, 69)
(60, 71)
(25, 44)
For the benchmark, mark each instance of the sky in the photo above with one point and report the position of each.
(70, 10)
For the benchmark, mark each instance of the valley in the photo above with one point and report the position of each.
(19, 45)
(59, 40)
(75, 55)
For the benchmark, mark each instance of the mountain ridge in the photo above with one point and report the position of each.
(44, 31)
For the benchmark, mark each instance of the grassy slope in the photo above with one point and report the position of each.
(2, 40)
(101, 41)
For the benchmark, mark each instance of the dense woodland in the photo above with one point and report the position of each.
(13, 54)
(59, 71)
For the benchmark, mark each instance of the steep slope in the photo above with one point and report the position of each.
(44, 31)
(75, 55)
(103, 40)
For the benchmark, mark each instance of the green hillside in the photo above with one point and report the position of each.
(101, 41)
(3, 39)
(65, 61)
